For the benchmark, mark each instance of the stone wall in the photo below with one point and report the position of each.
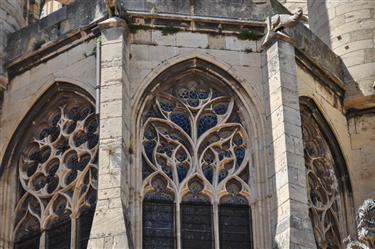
(76, 66)
(11, 19)
(269, 80)
(348, 28)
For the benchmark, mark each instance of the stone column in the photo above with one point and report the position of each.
(109, 228)
(291, 225)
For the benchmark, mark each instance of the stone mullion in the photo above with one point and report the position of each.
(74, 232)
(178, 224)
(42, 241)
(109, 226)
(216, 233)
(290, 223)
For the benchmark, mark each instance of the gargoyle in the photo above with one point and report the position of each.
(365, 227)
(112, 7)
(277, 23)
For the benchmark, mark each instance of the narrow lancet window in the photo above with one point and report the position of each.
(235, 219)
(158, 217)
(196, 218)
(327, 179)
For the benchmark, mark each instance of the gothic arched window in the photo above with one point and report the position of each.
(194, 139)
(57, 173)
(328, 185)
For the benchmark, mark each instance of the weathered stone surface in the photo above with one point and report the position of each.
(285, 150)
(267, 84)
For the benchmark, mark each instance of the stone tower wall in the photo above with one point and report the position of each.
(348, 27)
(11, 19)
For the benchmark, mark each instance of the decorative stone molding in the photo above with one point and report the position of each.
(366, 227)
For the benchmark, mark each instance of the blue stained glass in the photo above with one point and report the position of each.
(209, 158)
(240, 155)
(149, 134)
(56, 119)
(236, 118)
(62, 147)
(32, 168)
(184, 93)
(181, 120)
(208, 172)
(71, 176)
(149, 148)
(92, 140)
(182, 171)
(227, 153)
(168, 151)
(146, 170)
(181, 156)
(221, 109)
(193, 94)
(92, 126)
(74, 114)
(193, 102)
(223, 173)
(238, 140)
(165, 106)
(206, 123)
(167, 170)
(203, 94)
(221, 155)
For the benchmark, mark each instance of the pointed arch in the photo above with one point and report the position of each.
(329, 187)
(181, 108)
(52, 154)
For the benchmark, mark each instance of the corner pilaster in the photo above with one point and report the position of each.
(291, 226)
(109, 228)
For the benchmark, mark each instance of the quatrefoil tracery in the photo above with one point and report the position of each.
(195, 132)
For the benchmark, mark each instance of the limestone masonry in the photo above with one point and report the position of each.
(161, 124)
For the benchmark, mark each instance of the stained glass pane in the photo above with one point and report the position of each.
(51, 164)
(158, 225)
(235, 227)
(322, 183)
(31, 242)
(196, 226)
(195, 141)
(58, 235)
(84, 228)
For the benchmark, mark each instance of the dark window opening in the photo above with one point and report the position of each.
(158, 225)
(84, 227)
(29, 242)
(235, 227)
(58, 235)
(196, 226)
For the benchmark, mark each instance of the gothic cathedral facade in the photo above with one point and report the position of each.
(176, 124)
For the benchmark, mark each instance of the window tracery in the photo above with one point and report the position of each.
(57, 170)
(193, 138)
(322, 184)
